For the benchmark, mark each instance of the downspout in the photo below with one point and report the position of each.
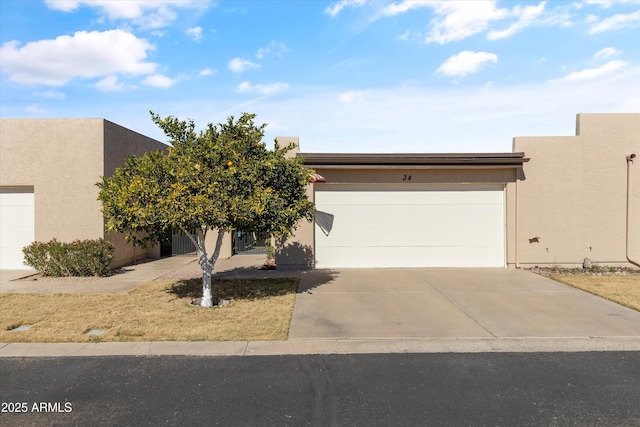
(516, 213)
(629, 162)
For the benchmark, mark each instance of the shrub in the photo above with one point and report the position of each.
(271, 251)
(78, 258)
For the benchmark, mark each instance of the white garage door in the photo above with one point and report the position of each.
(410, 226)
(16, 226)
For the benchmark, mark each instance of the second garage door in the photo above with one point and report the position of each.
(16, 226)
(410, 226)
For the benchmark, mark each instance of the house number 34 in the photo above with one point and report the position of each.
(406, 178)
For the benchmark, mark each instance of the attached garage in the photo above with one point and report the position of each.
(410, 225)
(16, 225)
(379, 210)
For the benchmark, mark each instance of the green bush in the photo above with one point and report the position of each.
(78, 258)
(271, 251)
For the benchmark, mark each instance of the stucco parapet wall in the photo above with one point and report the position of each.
(418, 160)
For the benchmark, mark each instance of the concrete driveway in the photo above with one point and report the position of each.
(465, 303)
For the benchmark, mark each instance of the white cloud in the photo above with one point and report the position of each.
(466, 62)
(594, 73)
(206, 72)
(605, 4)
(459, 20)
(404, 36)
(83, 55)
(246, 87)
(558, 17)
(160, 81)
(334, 8)
(34, 109)
(51, 94)
(195, 33)
(262, 52)
(405, 6)
(110, 84)
(351, 96)
(238, 65)
(591, 19)
(144, 13)
(527, 16)
(616, 22)
(607, 52)
(415, 36)
(63, 5)
(275, 48)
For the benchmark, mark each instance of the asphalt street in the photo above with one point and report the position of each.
(493, 389)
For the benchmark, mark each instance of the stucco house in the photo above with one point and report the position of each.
(48, 172)
(551, 201)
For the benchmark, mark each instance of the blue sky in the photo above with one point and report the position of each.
(344, 76)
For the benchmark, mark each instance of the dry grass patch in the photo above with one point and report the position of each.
(260, 309)
(624, 290)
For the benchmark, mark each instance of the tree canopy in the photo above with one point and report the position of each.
(221, 178)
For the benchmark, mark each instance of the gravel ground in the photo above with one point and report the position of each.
(593, 271)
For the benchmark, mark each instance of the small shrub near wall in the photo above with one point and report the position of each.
(78, 258)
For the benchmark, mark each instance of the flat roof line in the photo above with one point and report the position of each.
(425, 159)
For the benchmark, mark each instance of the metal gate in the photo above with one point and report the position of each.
(249, 243)
(181, 244)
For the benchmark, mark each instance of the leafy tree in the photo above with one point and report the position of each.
(215, 180)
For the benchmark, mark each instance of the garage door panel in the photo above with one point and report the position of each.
(22, 198)
(377, 257)
(357, 235)
(408, 197)
(15, 214)
(14, 236)
(427, 226)
(12, 260)
(16, 226)
(415, 215)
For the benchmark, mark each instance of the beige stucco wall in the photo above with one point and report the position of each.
(63, 159)
(296, 252)
(226, 249)
(573, 195)
(120, 143)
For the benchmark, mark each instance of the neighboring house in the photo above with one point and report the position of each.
(48, 174)
(552, 201)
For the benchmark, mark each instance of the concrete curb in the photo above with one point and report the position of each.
(322, 346)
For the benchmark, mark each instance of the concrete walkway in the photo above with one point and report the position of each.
(328, 346)
(136, 275)
(131, 277)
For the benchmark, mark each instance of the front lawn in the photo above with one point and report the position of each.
(621, 289)
(259, 309)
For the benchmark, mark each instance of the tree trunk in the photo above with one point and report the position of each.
(207, 264)
(207, 268)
